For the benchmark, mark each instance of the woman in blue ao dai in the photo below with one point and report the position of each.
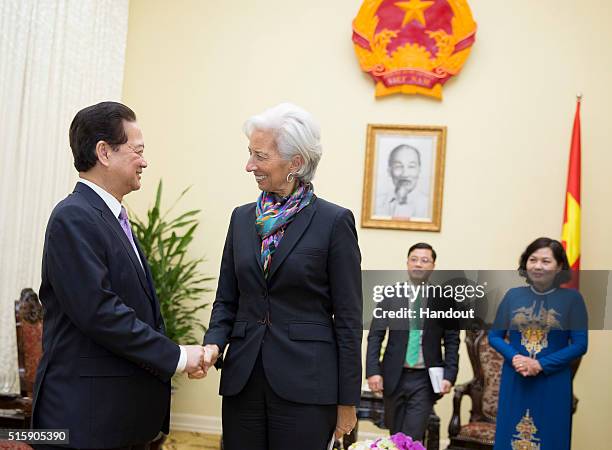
(539, 329)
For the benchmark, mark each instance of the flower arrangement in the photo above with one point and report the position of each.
(398, 441)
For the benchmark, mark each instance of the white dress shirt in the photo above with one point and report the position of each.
(113, 204)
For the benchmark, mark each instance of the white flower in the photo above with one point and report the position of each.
(363, 445)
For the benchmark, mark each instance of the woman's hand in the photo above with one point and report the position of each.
(211, 353)
(519, 362)
(527, 367)
(209, 358)
(534, 367)
(346, 421)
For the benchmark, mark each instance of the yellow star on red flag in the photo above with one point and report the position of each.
(414, 10)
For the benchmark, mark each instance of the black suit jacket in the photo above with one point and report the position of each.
(437, 333)
(106, 364)
(306, 318)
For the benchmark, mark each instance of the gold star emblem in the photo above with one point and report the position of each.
(414, 10)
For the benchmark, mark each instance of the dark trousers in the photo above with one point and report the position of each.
(258, 419)
(408, 407)
(54, 447)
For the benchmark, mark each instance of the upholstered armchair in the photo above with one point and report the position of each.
(11, 445)
(483, 389)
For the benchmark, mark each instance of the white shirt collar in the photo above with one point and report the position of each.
(112, 203)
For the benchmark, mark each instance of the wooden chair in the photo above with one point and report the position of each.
(483, 389)
(16, 409)
(12, 445)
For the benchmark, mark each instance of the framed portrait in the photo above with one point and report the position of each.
(404, 177)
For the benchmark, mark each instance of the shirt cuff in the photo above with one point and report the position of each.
(182, 362)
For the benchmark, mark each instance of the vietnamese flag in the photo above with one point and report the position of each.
(570, 235)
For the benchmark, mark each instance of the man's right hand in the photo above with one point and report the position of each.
(195, 361)
(210, 353)
(375, 383)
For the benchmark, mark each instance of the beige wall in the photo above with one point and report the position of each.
(195, 70)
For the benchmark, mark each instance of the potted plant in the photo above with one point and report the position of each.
(179, 283)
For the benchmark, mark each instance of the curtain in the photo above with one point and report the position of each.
(56, 57)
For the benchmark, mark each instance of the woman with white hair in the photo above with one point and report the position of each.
(289, 299)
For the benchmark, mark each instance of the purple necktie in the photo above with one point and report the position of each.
(125, 224)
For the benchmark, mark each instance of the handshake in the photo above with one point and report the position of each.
(200, 359)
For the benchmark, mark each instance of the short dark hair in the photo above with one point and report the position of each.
(101, 122)
(558, 253)
(425, 246)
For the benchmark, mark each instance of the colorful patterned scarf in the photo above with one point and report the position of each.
(274, 213)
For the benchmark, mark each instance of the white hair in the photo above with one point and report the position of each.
(295, 132)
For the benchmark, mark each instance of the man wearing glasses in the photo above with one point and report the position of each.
(413, 360)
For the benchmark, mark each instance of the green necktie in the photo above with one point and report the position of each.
(414, 336)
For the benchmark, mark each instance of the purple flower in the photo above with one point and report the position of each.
(403, 442)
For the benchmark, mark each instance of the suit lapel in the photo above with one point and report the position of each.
(151, 286)
(113, 223)
(255, 239)
(292, 235)
(107, 215)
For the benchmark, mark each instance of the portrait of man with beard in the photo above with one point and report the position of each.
(405, 200)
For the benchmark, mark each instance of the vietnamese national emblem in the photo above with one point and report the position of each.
(413, 46)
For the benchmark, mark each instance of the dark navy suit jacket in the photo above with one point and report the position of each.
(305, 318)
(106, 365)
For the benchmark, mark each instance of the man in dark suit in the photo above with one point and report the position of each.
(413, 347)
(106, 366)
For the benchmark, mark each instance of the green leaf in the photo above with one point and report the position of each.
(180, 286)
(158, 195)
